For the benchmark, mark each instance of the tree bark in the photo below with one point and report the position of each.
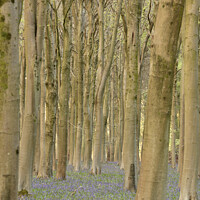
(27, 140)
(191, 139)
(96, 165)
(87, 111)
(153, 173)
(64, 96)
(130, 126)
(173, 125)
(50, 102)
(9, 100)
(42, 171)
(80, 88)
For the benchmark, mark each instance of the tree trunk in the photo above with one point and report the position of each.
(27, 140)
(105, 119)
(72, 123)
(42, 170)
(112, 119)
(96, 165)
(64, 97)
(191, 139)
(87, 111)
(9, 100)
(153, 173)
(121, 112)
(40, 23)
(22, 88)
(173, 125)
(182, 121)
(80, 88)
(130, 128)
(124, 84)
(50, 102)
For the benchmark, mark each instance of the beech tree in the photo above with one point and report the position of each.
(130, 164)
(102, 75)
(191, 94)
(153, 172)
(27, 138)
(50, 99)
(9, 99)
(64, 95)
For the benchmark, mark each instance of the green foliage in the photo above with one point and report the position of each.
(23, 193)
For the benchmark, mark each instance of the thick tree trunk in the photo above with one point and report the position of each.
(153, 173)
(191, 139)
(27, 140)
(9, 100)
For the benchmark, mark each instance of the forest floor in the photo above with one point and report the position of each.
(82, 185)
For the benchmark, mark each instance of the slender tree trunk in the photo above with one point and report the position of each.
(116, 120)
(112, 119)
(191, 140)
(42, 170)
(75, 63)
(130, 128)
(153, 173)
(96, 165)
(80, 88)
(27, 140)
(40, 86)
(121, 112)
(173, 125)
(105, 119)
(87, 111)
(22, 88)
(50, 102)
(182, 126)
(72, 123)
(124, 85)
(9, 100)
(64, 96)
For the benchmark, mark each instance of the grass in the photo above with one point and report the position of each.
(82, 185)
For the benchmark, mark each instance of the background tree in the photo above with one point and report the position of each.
(103, 73)
(64, 95)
